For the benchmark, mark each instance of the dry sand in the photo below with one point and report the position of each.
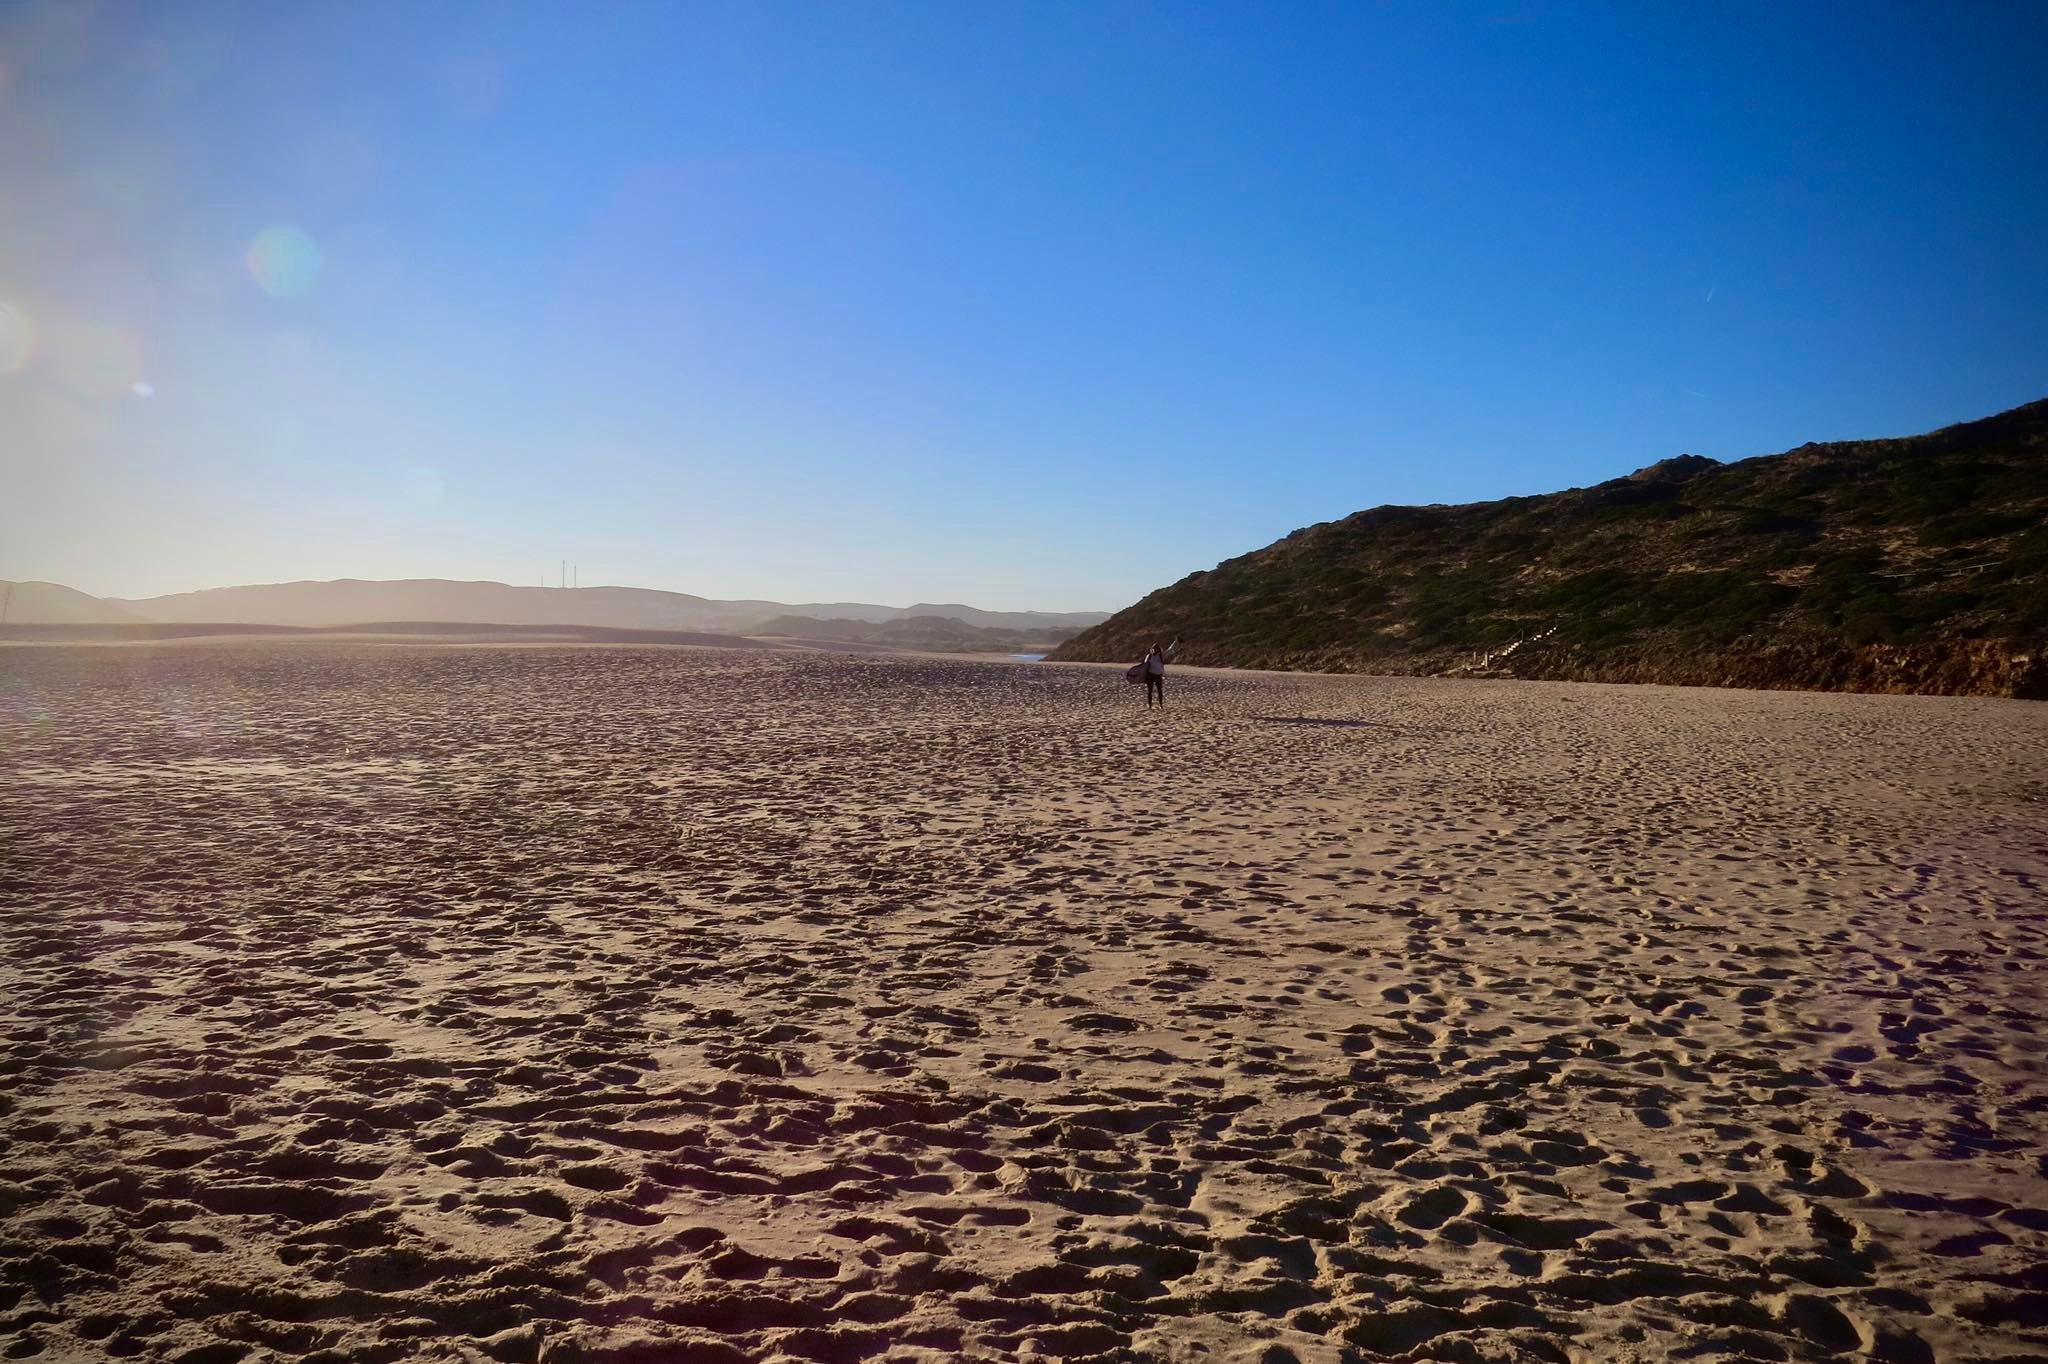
(447, 1003)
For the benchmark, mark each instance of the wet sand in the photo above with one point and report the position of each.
(449, 1003)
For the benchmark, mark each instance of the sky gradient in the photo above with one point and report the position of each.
(1019, 305)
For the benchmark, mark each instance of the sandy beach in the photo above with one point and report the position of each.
(426, 1002)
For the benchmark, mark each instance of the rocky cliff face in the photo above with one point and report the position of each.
(1912, 565)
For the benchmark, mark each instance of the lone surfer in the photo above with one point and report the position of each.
(1155, 673)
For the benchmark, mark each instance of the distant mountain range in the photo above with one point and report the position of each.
(350, 601)
(40, 603)
(928, 634)
(1918, 564)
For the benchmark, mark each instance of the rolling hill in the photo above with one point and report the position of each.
(925, 634)
(349, 601)
(1910, 565)
(40, 603)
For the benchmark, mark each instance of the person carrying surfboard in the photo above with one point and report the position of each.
(1155, 673)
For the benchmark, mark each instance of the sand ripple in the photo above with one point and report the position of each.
(633, 1004)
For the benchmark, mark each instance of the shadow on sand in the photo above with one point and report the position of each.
(1328, 724)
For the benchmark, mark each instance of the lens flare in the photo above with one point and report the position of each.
(284, 261)
(17, 338)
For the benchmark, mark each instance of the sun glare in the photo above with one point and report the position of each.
(284, 261)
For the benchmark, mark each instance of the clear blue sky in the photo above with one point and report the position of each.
(1024, 305)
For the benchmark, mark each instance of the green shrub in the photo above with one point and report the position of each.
(1954, 530)
(1870, 627)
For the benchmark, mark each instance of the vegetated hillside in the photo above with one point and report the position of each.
(928, 634)
(352, 601)
(1072, 622)
(40, 603)
(1918, 564)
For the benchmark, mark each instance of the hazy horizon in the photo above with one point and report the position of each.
(1019, 307)
(594, 587)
